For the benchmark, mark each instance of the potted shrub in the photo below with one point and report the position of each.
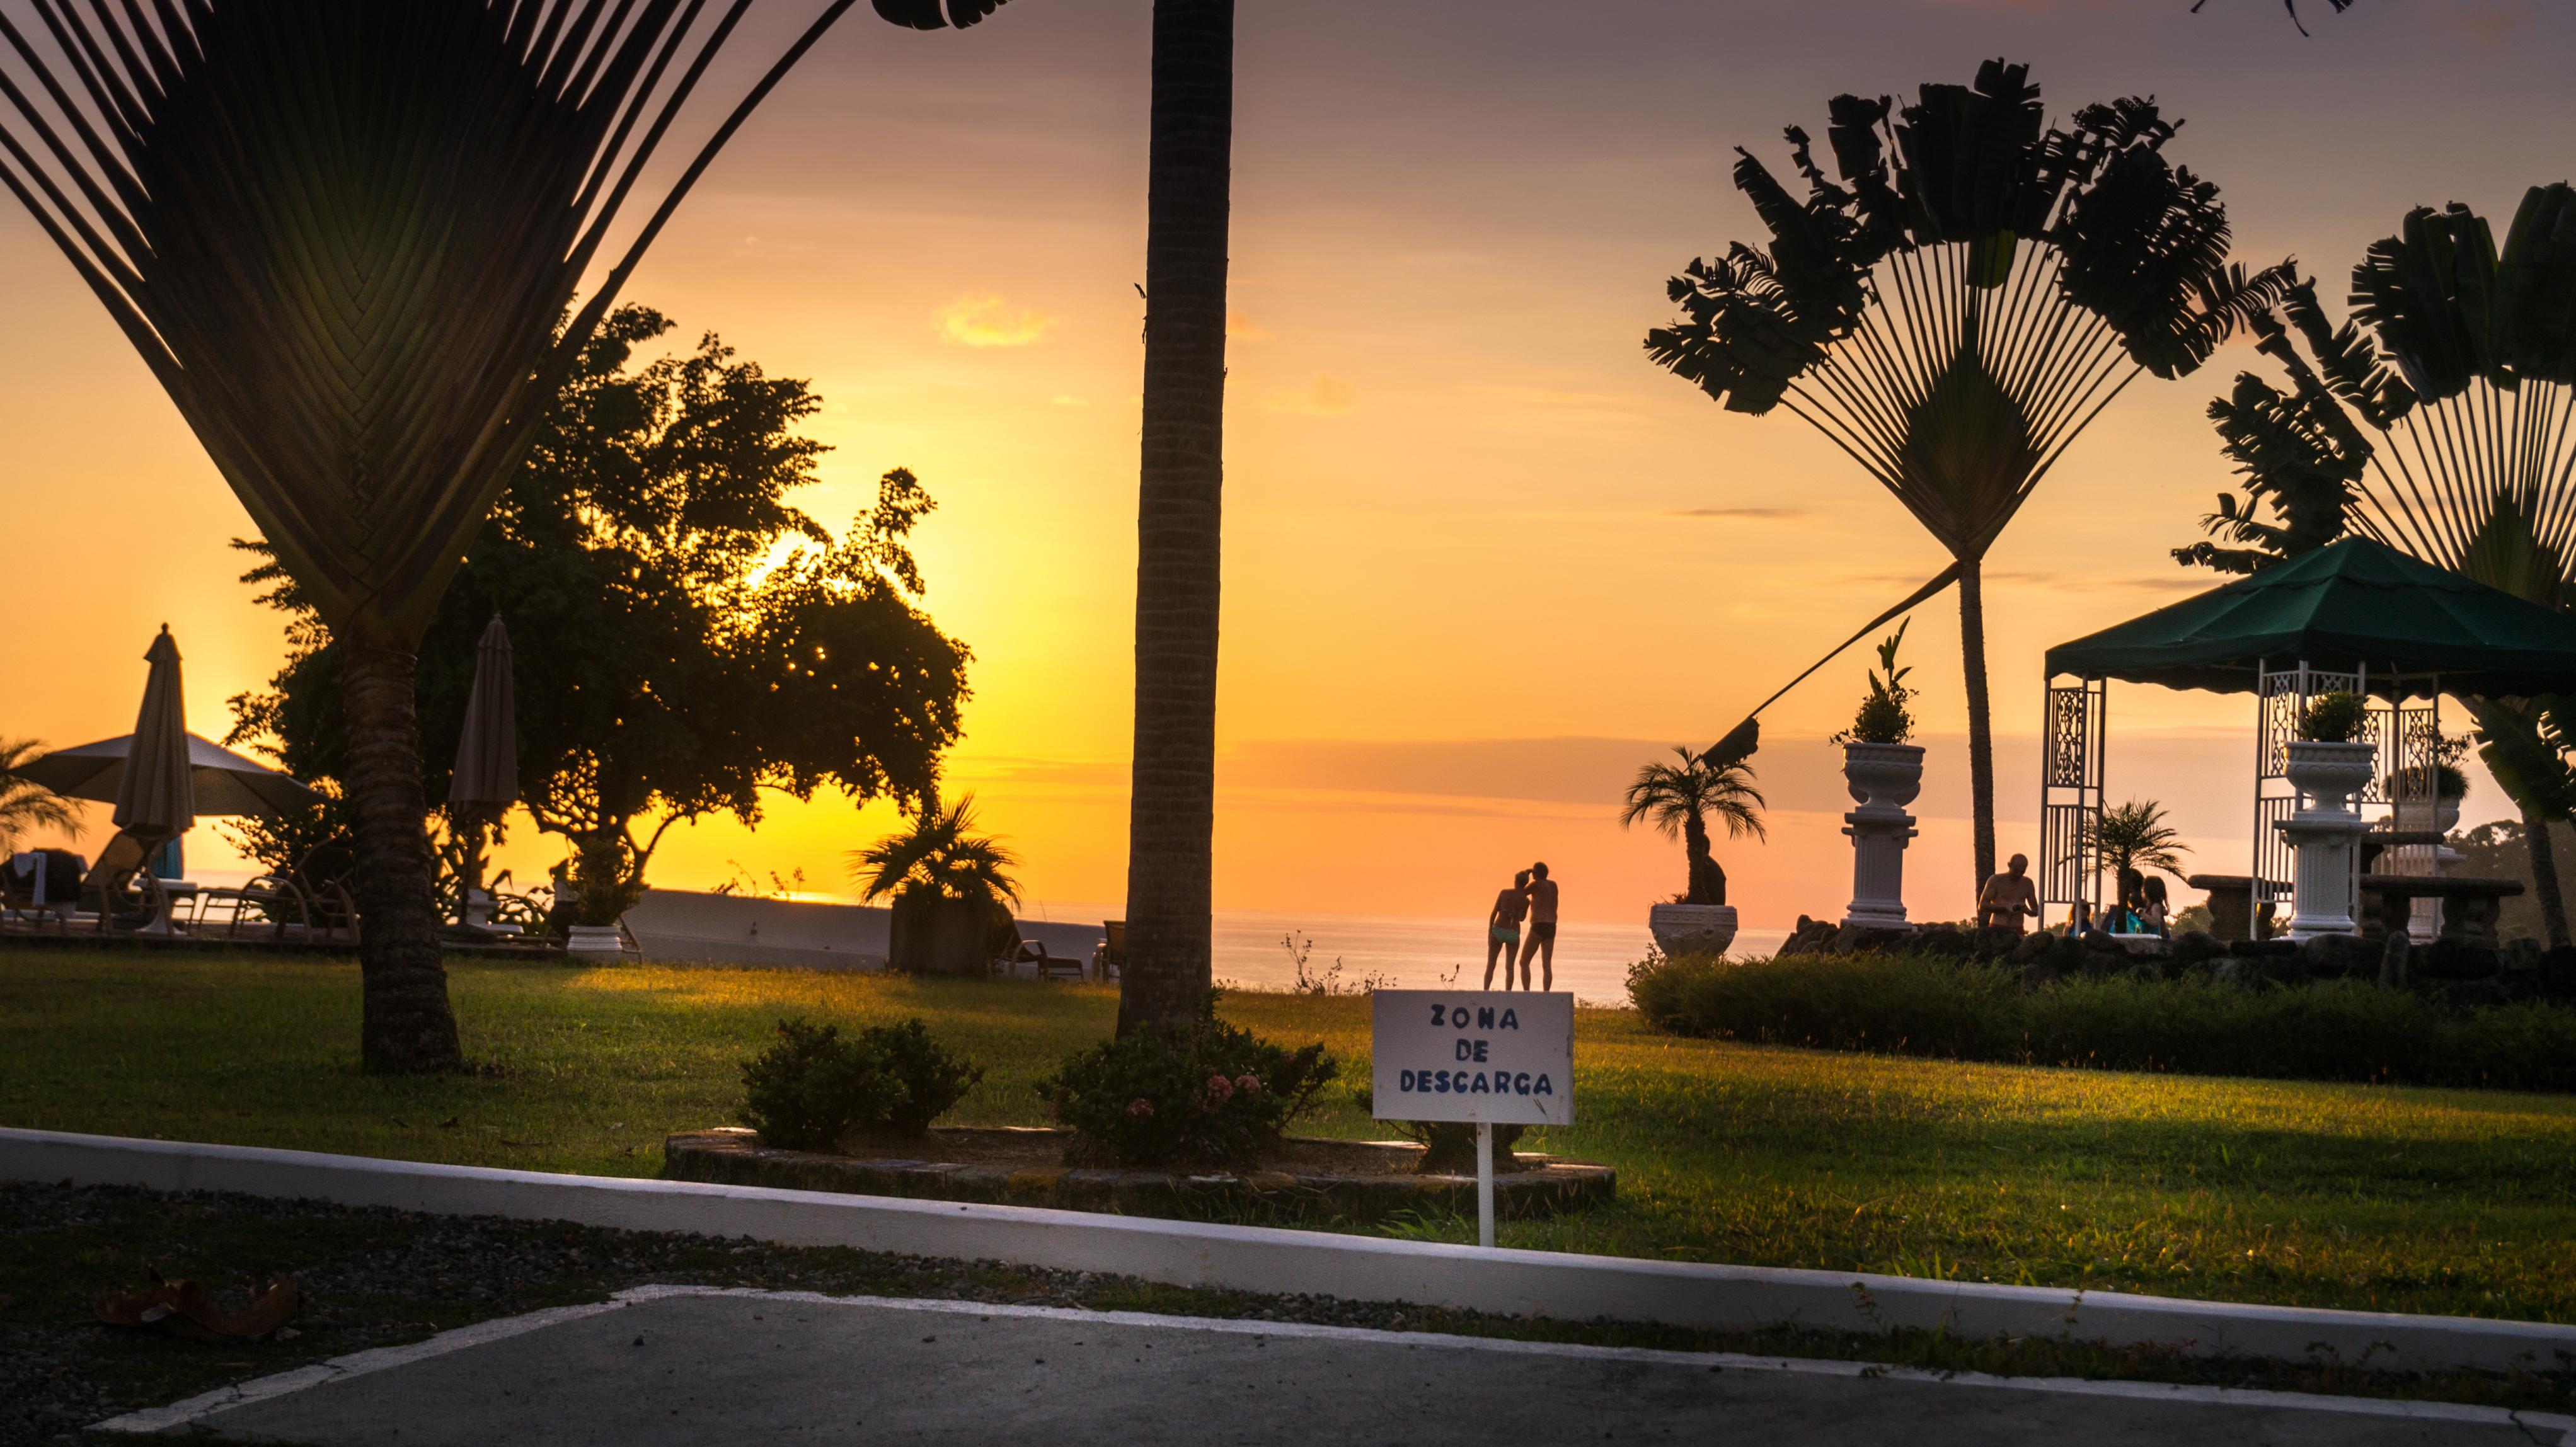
(1680, 799)
(602, 892)
(952, 891)
(1884, 773)
(2329, 760)
(2449, 787)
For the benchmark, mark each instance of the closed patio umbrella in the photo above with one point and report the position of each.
(156, 797)
(487, 754)
(486, 780)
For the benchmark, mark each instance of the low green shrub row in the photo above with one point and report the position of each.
(1911, 1004)
(1212, 1094)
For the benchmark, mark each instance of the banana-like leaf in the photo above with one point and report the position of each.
(345, 237)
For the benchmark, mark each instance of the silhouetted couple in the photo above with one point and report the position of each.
(1532, 896)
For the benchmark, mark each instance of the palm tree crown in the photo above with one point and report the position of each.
(939, 855)
(1680, 798)
(2135, 836)
(1965, 294)
(25, 805)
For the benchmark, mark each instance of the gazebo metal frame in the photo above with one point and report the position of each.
(2074, 748)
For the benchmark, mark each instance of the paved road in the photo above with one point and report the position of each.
(755, 1368)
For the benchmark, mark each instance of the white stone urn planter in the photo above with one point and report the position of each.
(1883, 778)
(2323, 837)
(1692, 929)
(595, 942)
(2441, 815)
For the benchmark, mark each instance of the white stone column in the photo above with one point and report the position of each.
(1883, 778)
(2324, 836)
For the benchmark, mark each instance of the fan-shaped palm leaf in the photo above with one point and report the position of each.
(1953, 307)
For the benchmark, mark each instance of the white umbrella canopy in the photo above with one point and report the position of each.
(223, 782)
(156, 793)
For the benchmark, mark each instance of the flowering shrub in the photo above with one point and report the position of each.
(1211, 1095)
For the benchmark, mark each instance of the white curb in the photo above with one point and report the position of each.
(1561, 1286)
(362, 1363)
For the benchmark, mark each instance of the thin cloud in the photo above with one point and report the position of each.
(1242, 328)
(1323, 397)
(1767, 514)
(983, 319)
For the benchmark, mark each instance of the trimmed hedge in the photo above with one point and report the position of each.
(1909, 1004)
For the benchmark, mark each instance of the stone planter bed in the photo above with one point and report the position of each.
(1360, 1182)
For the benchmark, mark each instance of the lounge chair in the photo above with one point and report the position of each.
(119, 892)
(1050, 967)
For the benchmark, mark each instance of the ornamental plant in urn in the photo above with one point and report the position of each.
(1680, 799)
(1884, 773)
(2327, 765)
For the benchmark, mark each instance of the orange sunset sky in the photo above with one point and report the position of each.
(1482, 558)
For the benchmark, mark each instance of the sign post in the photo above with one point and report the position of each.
(1486, 1056)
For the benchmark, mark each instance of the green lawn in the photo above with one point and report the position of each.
(2327, 1195)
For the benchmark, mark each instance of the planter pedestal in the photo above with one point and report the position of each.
(2324, 836)
(1883, 778)
(1692, 929)
(595, 942)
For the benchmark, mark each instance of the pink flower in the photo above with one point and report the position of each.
(1220, 1089)
(1140, 1106)
(1247, 1085)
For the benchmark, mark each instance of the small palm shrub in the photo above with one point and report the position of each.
(815, 1086)
(1214, 1094)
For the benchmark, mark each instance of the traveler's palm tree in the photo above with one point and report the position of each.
(346, 239)
(25, 805)
(2135, 836)
(2437, 420)
(939, 855)
(1680, 799)
(1958, 301)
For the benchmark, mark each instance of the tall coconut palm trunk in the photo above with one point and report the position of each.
(406, 1024)
(1981, 722)
(1172, 812)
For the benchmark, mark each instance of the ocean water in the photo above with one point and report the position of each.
(1414, 953)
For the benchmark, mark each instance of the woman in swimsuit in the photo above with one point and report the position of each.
(1503, 928)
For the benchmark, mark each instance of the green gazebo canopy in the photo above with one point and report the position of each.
(2351, 605)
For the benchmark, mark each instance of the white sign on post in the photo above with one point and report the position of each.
(1480, 1055)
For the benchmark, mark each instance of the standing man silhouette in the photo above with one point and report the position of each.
(1542, 928)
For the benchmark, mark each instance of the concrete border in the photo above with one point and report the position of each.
(1265, 1260)
(261, 1389)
